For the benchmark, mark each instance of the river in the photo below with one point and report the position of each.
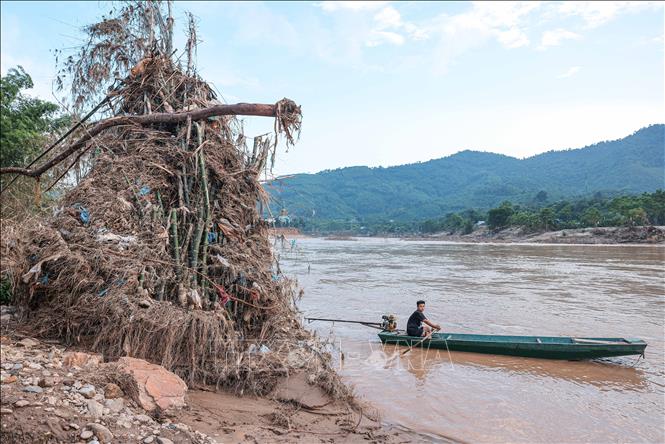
(516, 289)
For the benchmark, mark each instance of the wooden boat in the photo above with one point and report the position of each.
(547, 347)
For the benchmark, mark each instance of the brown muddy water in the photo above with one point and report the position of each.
(515, 289)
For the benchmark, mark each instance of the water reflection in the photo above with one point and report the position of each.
(617, 374)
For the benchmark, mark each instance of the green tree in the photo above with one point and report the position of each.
(654, 204)
(637, 216)
(546, 217)
(24, 121)
(591, 217)
(499, 217)
(468, 227)
(541, 197)
(525, 219)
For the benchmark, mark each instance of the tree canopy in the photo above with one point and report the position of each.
(24, 121)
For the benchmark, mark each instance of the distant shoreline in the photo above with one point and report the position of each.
(641, 235)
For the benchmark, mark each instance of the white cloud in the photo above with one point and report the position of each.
(554, 37)
(378, 37)
(388, 17)
(596, 13)
(570, 72)
(513, 38)
(505, 22)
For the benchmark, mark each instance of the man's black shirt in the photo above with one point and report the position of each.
(413, 324)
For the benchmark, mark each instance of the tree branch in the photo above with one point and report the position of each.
(239, 109)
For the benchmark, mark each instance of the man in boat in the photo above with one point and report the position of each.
(418, 324)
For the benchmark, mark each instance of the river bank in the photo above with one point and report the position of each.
(54, 394)
(597, 235)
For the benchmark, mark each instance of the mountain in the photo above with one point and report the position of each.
(473, 179)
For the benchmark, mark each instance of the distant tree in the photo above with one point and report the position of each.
(541, 197)
(591, 217)
(24, 121)
(546, 217)
(525, 219)
(498, 217)
(654, 204)
(637, 216)
(468, 227)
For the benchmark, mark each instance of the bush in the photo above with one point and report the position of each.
(6, 293)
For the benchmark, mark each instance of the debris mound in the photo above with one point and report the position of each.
(160, 253)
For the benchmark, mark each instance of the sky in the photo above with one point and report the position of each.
(390, 83)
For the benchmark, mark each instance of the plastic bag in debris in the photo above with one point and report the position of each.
(84, 214)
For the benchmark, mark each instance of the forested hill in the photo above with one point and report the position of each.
(472, 179)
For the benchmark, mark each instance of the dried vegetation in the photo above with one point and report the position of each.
(160, 252)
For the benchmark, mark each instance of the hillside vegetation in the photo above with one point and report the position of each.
(473, 179)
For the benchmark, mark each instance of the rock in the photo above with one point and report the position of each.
(144, 303)
(103, 434)
(35, 366)
(33, 389)
(22, 403)
(182, 427)
(114, 405)
(95, 409)
(6, 411)
(125, 423)
(46, 382)
(88, 391)
(94, 441)
(144, 419)
(68, 381)
(73, 426)
(27, 343)
(149, 439)
(80, 359)
(150, 385)
(162, 440)
(86, 434)
(8, 379)
(61, 414)
(112, 391)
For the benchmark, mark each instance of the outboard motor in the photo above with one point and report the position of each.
(389, 322)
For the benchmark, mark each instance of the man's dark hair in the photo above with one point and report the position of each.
(420, 302)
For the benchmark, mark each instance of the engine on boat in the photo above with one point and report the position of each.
(389, 322)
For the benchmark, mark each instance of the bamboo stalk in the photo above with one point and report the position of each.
(174, 240)
(208, 218)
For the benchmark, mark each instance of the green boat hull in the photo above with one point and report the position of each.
(546, 347)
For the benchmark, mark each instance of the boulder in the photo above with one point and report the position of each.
(112, 391)
(102, 433)
(150, 385)
(88, 391)
(95, 409)
(80, 359)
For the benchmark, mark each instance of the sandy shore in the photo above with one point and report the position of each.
(600, 235)
(46, 399)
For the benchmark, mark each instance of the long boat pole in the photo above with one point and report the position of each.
(368, 324)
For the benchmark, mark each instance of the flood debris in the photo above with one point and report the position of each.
(160, 252)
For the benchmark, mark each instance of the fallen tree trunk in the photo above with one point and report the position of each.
(239, 109)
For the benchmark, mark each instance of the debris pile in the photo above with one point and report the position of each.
(160, 253)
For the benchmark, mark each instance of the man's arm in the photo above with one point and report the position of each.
(432, 324)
